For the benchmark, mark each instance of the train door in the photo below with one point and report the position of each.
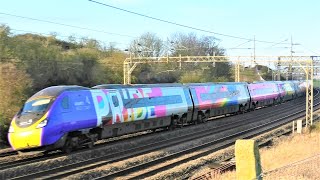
(65, 115)
(116, 107)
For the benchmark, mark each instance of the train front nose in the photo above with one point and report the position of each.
(26, 128)
(24, 138)
(25, 131)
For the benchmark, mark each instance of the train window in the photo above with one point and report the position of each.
(154, 123)
(137, 126)
(154, 101)
(115, 101)
(65, 102)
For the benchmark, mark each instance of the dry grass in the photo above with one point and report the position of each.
(290, 149)
(285, 152)
(308, 169)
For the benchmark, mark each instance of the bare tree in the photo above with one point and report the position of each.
(191, 45)
(147, 45)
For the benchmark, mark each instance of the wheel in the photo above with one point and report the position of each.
(171, 127)
(205, 118)
(199, 118)
(173, 124)
(241, 110)
(67, 148)
(254, 107)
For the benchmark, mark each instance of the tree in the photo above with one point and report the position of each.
(5, 43)
(15, 88)
(192, 77)
(90, 43)
(192, 45)
(110, 69)
(39, 56)
(147, 45)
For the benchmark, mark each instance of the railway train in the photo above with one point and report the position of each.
(69, 117)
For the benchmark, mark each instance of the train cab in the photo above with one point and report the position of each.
(28, 125)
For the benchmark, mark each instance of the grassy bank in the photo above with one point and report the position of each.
(292, 157)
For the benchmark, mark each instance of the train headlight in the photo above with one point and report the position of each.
(11, 130)
(42, 124)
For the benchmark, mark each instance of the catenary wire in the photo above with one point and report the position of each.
(178, 24)
(67, 25)
(63, 36)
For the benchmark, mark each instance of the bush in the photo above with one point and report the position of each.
(3, 131)
(15, 88)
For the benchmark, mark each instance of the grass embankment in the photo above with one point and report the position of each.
(248, 75)
(292, 157)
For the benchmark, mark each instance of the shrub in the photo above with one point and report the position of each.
(15, 88)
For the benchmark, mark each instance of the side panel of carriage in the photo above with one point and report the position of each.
(219, 99)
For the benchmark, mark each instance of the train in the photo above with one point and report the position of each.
(68, 117)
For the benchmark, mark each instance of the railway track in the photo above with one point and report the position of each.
(156, 166)
(98, 162)
(26, 159)
(8, 153)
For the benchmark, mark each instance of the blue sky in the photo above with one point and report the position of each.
(268, 20)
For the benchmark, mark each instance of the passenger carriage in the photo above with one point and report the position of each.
(264, 94)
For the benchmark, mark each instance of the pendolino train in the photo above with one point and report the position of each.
(68, 117)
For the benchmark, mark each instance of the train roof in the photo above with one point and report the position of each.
(54, 91)
(111, 86)
(118, 86)
(257, 82)
(213, 83)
